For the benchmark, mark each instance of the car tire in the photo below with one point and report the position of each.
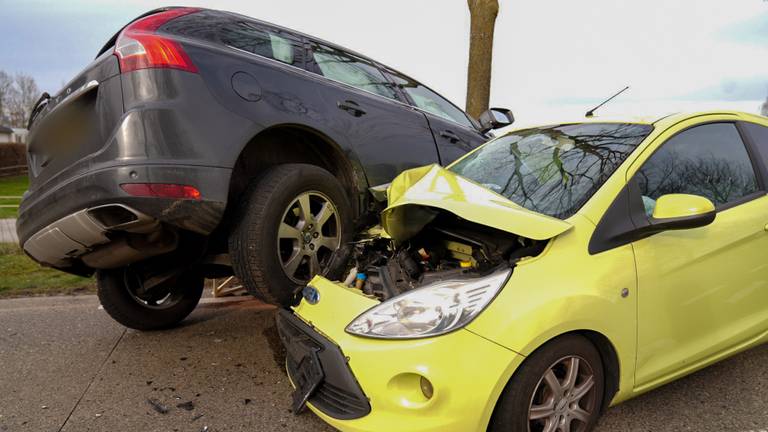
(280, 221)
(530, 388)
(165, 306)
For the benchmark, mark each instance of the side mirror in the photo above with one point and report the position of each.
(495, 118)
(681, 211)
(627, 219)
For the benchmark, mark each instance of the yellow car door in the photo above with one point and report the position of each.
(703, 292)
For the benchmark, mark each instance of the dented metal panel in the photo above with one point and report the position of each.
(415, 195)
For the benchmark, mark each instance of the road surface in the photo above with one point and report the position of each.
(66, 366)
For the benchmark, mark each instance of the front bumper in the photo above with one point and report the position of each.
(467, 372)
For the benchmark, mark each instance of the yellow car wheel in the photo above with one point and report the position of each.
(559, 388)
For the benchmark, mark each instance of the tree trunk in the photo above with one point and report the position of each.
(483, 20)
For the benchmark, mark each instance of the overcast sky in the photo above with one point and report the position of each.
(552, 58)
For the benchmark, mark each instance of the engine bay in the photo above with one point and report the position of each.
(447, 248)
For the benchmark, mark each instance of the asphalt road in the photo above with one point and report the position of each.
(65, 366)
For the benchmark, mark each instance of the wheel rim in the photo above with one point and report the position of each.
(309, 234)
(163, 296)
(565, 397)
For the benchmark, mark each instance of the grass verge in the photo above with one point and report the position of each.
(21, 277)
(11, 187)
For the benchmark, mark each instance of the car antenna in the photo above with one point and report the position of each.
(591, 112)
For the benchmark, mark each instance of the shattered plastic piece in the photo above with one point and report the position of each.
(350, 277)
(189, 406)
(360, 280)
(197, 417)
(157, 406)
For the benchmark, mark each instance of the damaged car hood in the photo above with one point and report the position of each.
(415, 196)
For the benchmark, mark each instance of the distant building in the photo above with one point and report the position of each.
(6, 135)
(20, 135)
(12, 135)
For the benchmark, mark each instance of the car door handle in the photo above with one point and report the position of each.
(450, 136)
(351, 107)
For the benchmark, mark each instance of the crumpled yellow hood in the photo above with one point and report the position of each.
(415, 195)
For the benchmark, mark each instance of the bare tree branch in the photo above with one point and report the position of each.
(22, 99)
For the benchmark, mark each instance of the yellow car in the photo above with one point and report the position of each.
(549, 274)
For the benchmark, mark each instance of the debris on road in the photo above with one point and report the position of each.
(157, 406)
(189, 406)
(197, 417)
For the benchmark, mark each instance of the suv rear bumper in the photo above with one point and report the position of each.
(67, 204)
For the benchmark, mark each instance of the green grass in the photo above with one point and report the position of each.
(20, 276)
(11, 186)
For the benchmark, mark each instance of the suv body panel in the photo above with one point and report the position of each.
(173, 126)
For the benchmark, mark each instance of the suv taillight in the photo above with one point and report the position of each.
(140, 47)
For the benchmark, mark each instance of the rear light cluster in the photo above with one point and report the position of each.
(140, 47)
(161, 190)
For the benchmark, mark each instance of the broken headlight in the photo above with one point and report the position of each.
(431, 310)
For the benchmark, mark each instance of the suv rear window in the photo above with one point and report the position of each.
(238, 32)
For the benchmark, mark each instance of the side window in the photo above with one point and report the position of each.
(429, 101)
(348, 69)
(259, 40)
(709, 160)
(239, 32)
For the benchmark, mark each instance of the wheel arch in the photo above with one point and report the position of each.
(608, 355)
(296, 143)
(611, 365)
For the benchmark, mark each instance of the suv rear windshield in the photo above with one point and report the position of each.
(552, 170)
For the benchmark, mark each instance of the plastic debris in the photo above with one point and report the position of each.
(157, 406)
(189, 406)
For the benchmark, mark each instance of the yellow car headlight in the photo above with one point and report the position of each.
(431, 310)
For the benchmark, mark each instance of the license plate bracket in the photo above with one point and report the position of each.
(309, 375)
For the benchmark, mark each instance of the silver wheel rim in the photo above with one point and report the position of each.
(564, 399)
(309, 234)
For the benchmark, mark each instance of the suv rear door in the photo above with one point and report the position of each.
(387, 134)
(454, 133)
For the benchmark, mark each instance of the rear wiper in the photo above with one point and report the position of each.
(39, 105)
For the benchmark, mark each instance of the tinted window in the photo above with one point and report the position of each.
(239, 32)
(355, 71)
(709, 160)
(759, 136)
(555, 169)
(430, 101)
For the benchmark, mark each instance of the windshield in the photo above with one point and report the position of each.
(552, 170)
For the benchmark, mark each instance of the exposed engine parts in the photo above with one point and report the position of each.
(447, 248)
